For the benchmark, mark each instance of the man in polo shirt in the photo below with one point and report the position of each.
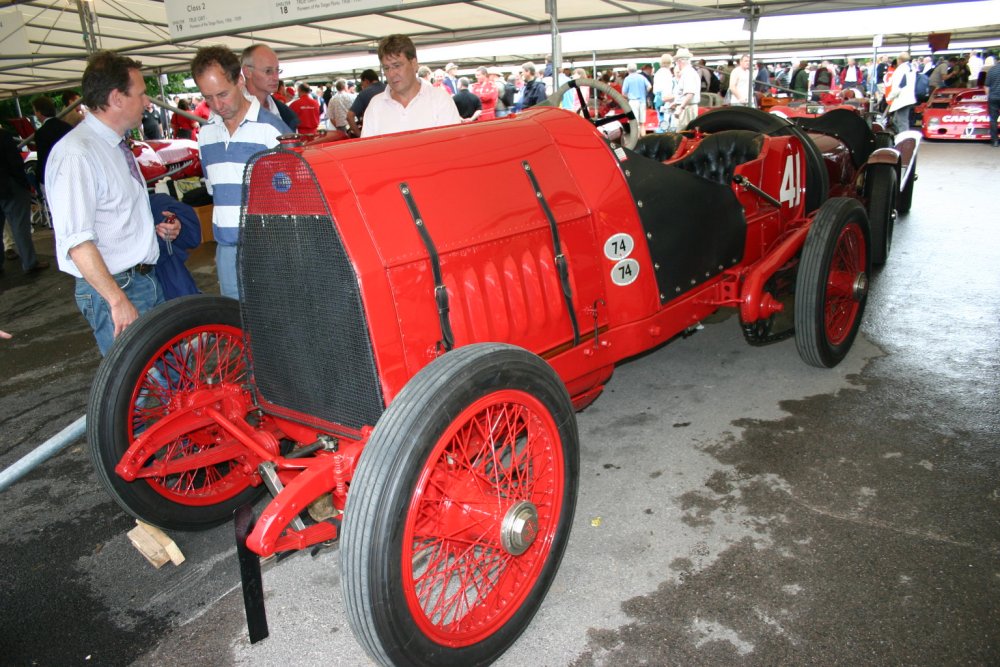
(103, 225)
(408, 102)
(237, 129)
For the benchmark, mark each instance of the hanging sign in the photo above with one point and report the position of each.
(13, 36)
(194, 18)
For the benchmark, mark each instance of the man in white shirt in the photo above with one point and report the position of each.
(739, 83)
(339, 105)
(688, 92)
(408, 102)
(902, 97)
(103, 224)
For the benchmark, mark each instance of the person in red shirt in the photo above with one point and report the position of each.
(182, 126)
(487, 92)
(201, 109)
(307, 109)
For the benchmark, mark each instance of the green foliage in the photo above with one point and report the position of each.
(8, 107)
(174, 85)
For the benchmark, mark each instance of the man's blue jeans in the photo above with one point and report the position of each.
(994, 110)
(144, 291)
(225, 268)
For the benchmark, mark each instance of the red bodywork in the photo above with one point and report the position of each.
(499, 269)
(366, 266)
(957, 113)
(169, 158)
(847, 98)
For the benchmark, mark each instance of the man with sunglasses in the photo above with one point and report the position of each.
(262, 73)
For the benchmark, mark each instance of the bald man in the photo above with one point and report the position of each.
(262, 74)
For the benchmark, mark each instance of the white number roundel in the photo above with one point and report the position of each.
(624, 272)
(618, 246)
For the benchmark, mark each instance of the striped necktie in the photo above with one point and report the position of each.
(132, 166)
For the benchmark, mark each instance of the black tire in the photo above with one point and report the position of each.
(831, 289)
(747, 118)
(882, 185)
(905, 200)
(424, 449)
(205, 332)
(883, 140)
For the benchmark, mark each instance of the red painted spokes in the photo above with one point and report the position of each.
(202, 358)
(491, 488)
(846, 283)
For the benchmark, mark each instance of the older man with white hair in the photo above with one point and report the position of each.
(688, 92)
(902, 93)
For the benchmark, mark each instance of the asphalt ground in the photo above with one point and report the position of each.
(735, 507)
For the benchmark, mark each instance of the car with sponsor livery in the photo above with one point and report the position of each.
(957, 113)
(403, 368)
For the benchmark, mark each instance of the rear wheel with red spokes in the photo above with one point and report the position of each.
(832, 286)
(460, 509)
(192, 474)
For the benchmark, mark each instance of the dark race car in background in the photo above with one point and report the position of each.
(957, 113)
(847, 98)
(403, 368)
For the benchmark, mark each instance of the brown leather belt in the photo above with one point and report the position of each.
(143, 269)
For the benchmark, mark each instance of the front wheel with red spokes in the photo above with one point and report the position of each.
(831, 289)
(460, 509)
(190, 474)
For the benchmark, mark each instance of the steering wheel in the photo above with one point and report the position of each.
(627, 114)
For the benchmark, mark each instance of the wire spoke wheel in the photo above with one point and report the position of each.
(479, 526)
(197, 359)
(187, 351)
(832, 285)
(460, 509)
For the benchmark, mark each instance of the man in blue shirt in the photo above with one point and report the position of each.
(370, 87)
(636, 87)
(237, 129)
(993, 100)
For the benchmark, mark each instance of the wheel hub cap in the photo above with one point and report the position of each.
(519, 528)
(860, 285)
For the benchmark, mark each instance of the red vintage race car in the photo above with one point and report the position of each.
(403, 368)
(167, 158)
(957, 113)
(847, 98)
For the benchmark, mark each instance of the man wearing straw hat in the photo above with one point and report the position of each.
(688, 93)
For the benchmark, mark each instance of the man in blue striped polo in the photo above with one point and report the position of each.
(237, 129)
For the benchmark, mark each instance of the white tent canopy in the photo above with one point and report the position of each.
(44, 43)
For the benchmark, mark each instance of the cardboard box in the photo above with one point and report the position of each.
(205, 217)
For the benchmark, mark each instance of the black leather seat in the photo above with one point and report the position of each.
(659, 147)
(718, 154)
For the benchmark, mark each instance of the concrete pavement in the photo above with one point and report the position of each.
(735, 507)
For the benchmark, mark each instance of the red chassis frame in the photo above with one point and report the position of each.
(590, 204)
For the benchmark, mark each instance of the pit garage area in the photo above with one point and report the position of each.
(735, 505)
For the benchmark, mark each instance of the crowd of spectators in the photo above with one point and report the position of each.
(243, 105)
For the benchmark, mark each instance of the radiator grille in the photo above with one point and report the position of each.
(303, 318)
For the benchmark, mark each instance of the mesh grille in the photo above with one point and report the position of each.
(302, 312)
